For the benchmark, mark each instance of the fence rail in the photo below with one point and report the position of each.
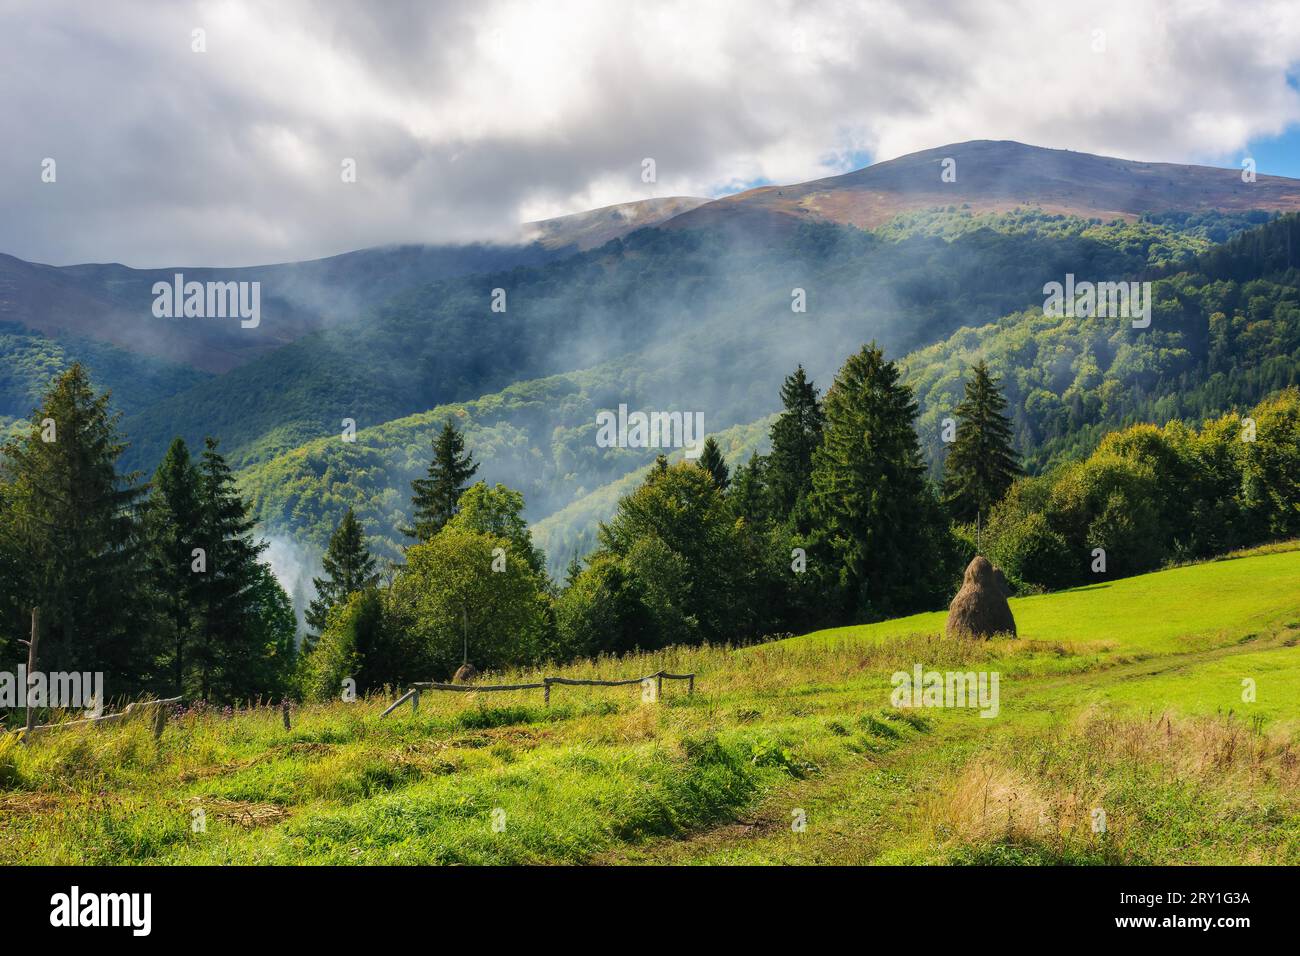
(159, 718)
(413, 695)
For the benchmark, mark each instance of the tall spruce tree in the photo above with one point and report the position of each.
(348, 566)
(750, 498)
(711, 460)
(435, 498)
(872, 507)
(796, 434)
(226, 650)
(981, 463)
(75, 523)
(173, 523)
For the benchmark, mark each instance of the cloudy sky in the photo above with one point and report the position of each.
(464, 119)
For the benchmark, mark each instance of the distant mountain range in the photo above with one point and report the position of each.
(995, 176)
(112, 303)
(676, 303)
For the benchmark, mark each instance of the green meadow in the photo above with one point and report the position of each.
(1126, 734)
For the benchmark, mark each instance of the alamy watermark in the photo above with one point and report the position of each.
(130, 910)
(922, 688)
(651, 430)
(83, 690)
(1119, 300)
(208, 300)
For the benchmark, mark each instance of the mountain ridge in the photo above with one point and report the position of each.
(112, 302)
(1057, 181)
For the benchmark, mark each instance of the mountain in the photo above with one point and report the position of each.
(1225, 334)
(700, 312)
(113, 303)
(995, 176)
(31, 360)
(698, 324)
(723, 305)
(595, 227)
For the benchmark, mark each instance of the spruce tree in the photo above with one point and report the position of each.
(750, 496)
(435, 498)
(796, 434)
(711, 460)
(573, 570)
(227, 657)
(348, 566)
(981, 463)
(74, 522)
(269, 670)
(173, 524)
(873, 509)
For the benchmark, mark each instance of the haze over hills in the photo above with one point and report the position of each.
(112, 303)
(677, 303)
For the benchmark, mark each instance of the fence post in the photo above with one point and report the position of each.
(31, 668)
(546, 691)
(690, 686)
(159, 719)
(415, 702)
(659, 691)
(284, 711)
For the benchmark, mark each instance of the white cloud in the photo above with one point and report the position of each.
(466, 118)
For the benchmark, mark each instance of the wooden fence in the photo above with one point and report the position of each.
(413, 695)
(159, 718)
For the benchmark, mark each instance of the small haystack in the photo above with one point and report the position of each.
(980, 608)
(465, 674)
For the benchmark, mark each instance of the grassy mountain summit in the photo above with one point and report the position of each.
(997, 176)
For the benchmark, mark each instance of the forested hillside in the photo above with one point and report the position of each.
(29, 361)
(1067, 379)
(657, 288)
(1225, 332)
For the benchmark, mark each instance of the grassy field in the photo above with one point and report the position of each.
(1123, 699)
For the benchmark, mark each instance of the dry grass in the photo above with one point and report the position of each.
(1155, 780)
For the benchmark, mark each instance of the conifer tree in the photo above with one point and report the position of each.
(573, 570)
(436, 496)
(711, 460)
(750, 496)
(348, 566)
(796, 434)
(227, 656)
(173, 522)
(74, 522)
(871, 504)
(981, 463)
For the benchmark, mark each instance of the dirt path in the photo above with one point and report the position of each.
(864, 809)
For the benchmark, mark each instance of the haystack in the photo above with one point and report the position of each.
(464, 674)
(980, 608)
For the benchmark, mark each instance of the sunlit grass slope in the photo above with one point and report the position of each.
(1124, 699)
(1179, 609)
